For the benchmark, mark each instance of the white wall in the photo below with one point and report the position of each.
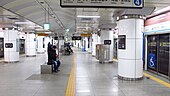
(1, 34)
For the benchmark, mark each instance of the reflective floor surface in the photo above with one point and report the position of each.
(92, 79)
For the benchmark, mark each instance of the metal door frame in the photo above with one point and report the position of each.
(157, 53)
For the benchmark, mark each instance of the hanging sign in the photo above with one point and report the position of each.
(8, 45)
(47, 26)
(103, 3)
(107, 42)
(76, 38)
(42, 34)
(60, 38)
(85, 35)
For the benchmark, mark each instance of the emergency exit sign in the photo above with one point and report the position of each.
(103, 3)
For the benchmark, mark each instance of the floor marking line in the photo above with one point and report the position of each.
(153, 78)
(157, 80)
(115, 60)
(70, 90)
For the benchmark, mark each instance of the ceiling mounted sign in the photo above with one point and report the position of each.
(86, 35)
(103, 3)
(76, 38)
(42, 34)
(47, 26)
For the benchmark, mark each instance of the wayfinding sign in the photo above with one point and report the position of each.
(103, 3)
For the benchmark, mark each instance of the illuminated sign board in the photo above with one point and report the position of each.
(103, 3)
(107, 42)
(8, 45)
(85, 35)
(76, 38)
(47, 26)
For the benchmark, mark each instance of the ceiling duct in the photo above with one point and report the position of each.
(12, 18)
(107, 26)
(145, 11)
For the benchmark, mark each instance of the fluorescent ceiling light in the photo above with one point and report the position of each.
(47, 32)
(83, 16)
(126, 16)
(23, 23)
(67, 30)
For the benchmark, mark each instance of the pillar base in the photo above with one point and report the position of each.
(89, 52)
(130, 79)
(30, 55)
(40, 52)
(93, 56)
(11, 61)
(105, 62)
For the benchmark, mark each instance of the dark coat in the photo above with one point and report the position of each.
(52, 55)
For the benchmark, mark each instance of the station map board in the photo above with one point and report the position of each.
(103, 3)
(122, 42)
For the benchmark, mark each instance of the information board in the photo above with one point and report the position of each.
(76, 38)
(8, 45)
(107, 42)
(103, 3)
(122, 42)
(60, 38)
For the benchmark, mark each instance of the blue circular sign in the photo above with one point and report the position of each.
(137, 2)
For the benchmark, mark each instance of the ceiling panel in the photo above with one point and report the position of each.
(34, 12)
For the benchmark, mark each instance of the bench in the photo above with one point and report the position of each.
(46, 69)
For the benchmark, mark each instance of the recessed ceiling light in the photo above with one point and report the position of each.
(42, 2)
(125, 16)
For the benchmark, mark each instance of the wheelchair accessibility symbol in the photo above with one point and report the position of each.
(152, 60)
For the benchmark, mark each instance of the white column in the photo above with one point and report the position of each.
(86, 46)
(95, 40)
(108, 35)
(83, 42)
(30, 45)
(11, 46)
(75, 43)
(78, 44)
(40, 44)
(130, 64)
(61, 43)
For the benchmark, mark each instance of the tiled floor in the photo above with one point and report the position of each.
(92, 79)
(24, 78)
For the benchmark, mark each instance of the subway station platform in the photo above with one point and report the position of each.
(80, 75)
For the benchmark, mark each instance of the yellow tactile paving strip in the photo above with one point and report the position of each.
(153, 78)
(157, 80)
(70, 91)
(116, 60)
